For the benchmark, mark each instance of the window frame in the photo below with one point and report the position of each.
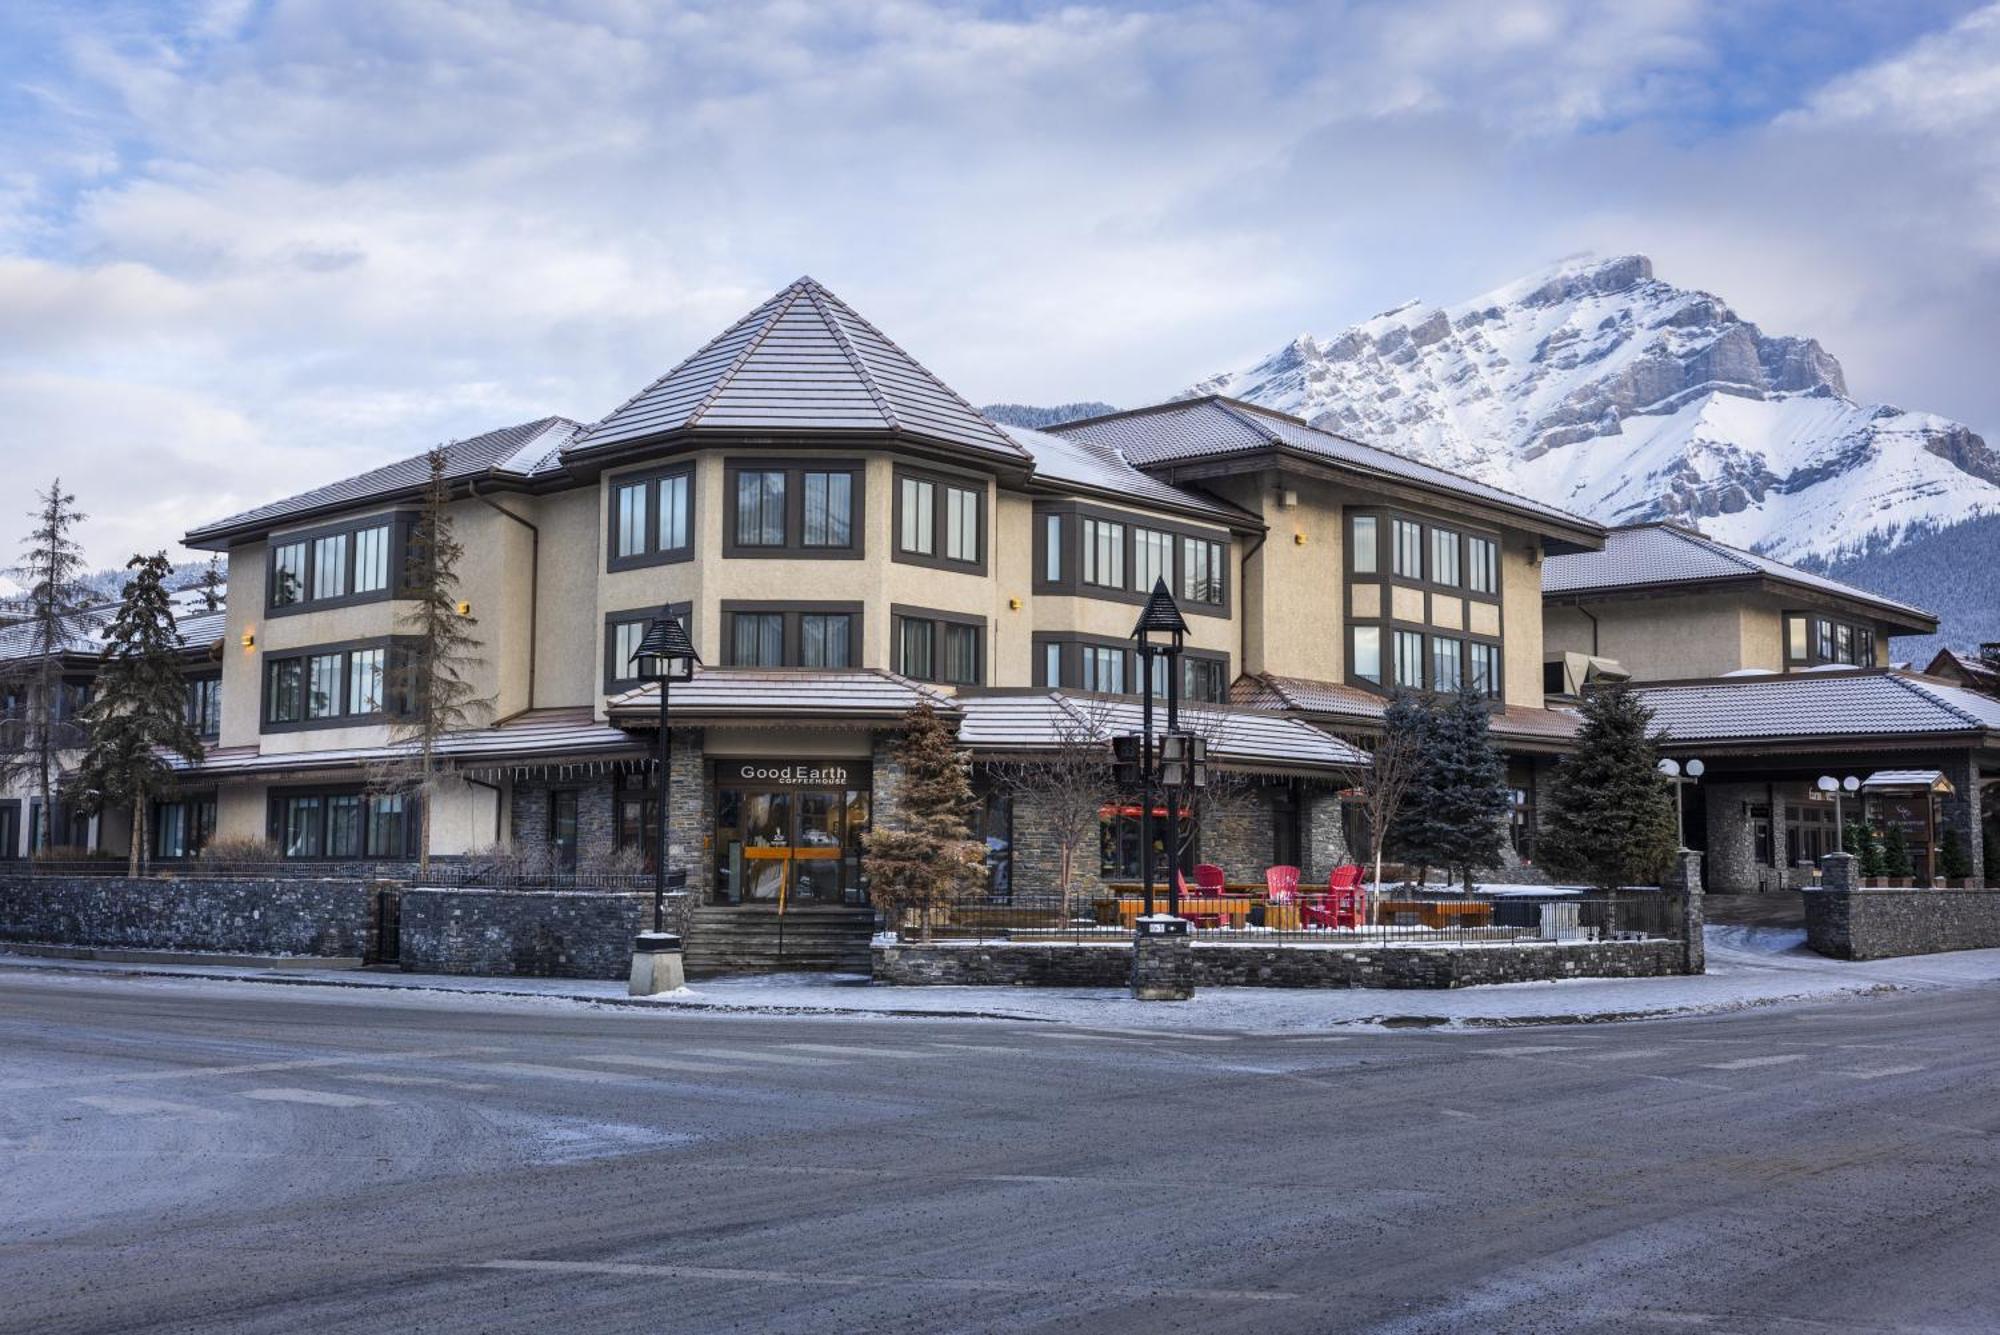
(1432, 533)
(412, 829)
(398, 522)
(791, 610)
(650, 552)
(942, 485)
(1069, 557)
(342, 694)
(794, 547)
(938, 619)
(615, 682)
(205, 728)
(1067, 649)
(1823, 634)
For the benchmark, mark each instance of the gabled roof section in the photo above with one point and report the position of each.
(1338, 704)
(526, 450)
(1078, 464)
(1217, 427)
(803, 361)
(1814, 706)
(1660, 555)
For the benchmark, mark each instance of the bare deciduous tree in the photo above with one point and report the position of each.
(1068, 785)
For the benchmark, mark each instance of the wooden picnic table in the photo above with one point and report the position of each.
(1233, 910)
(1438, 913)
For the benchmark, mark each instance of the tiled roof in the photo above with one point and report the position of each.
(1335, 701)
(538, 734)
(1095, 466)
(1854, 703)
(526, 450)
(1650, 555)
(1971, 666)
(16, 641)
(755, 695)
(802, 361)
(1241, 737)
(1215, 426)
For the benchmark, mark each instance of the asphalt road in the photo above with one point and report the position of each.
(179, 1156)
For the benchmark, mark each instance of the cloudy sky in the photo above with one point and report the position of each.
(250, 245)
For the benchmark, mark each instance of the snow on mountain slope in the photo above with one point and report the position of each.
(1599, 388)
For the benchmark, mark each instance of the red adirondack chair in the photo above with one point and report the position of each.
(1346, 902)
(1210, 878)
(1282, 884)
(1198, 919)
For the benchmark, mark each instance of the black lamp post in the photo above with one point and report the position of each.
(665, 656)
(1160, 633)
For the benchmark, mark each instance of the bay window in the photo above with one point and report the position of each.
(329, 686)
(334, 567)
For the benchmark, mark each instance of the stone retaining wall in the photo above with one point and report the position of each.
(1873, 924)
(240, 917)
(1001, 964)
(520, 933)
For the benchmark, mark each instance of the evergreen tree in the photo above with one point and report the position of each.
(212, 584)
(1870, 852)
(1953, 864)
(1896, 854)
(140, 710)
(928, 858)
(1408, 832)
(1609, 817)
(1465, 785)
(430, 687)
(50, 608)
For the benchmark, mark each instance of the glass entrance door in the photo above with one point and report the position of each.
(789, 847)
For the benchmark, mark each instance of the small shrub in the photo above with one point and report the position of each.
(238, 849)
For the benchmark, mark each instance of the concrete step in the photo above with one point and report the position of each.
(754, 940)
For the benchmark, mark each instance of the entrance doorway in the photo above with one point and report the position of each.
(790, 835)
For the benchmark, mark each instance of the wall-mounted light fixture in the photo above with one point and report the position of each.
(1013, 604)
(1298, 539)
(465, 609)
(250, 638)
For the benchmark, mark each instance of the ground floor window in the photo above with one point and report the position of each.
(10, 830)
(70, 829)
(339, 825)
(1118, 842)
(1521, 813)
(993, 826)
(183, 827)
(787, 846)
(1810, 833)
(562, 827)
(1287, 826)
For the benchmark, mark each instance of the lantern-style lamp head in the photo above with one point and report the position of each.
(666, 653)
(1161, 627)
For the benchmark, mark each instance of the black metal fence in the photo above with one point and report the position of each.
(1390, 917)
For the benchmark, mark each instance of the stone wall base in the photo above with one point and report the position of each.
(521, 933)
(1003, 964)
(246, 917)
(1874, 923)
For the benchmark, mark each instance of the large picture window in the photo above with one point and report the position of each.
(333, 567)
(798, 510)
(811, 635)
(331, 686)
(344, 825)
(652, 518)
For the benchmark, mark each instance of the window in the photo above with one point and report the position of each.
(1368, 653)
(1825, 636)
(673, 526)
(1814, 640)
(939, 646)
(1365, 554)
(1103, 553)
(652, 519)
(1482, 664)
(919, 525)
(760, 508)
(1521, 815)
(1408, 539)
(823, 640)
(622, 633)
(1482, 565)
(1410, 659)
(563, 827)
(346, 824)
(1152, 559)
(1202, 564)
(757, 639)
(181, 828)
(329, 567)
(829, 509)
(288, 574)
(1796, 647)
(1052, 673)
(961, 524)
(625, 639)
(1864, 648)
(327, 686)
(371, 559)
(1204, 679)
(1444, 556)
(1103, 669)
(914, 647)
(204, 705)
(629, 520)
(1052, 550)
(1446, 656)
(962, 658)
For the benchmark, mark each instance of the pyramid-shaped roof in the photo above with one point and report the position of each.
(803, 361)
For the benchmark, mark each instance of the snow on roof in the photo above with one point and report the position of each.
(1650, 555)
(1097, 466)
(1040, 720)
(1338, 701)
(753, 695)
(1871, 703)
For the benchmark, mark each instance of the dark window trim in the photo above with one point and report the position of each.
(345, 648)
(1385, 550)
(197, 838)
(11, 852)
(613, 682)
(792, 610)
(653, 555)
(208, 734)
(1814, 657)
(901, 612)
(1390, 625)
(1384, 578)
(1071, 585)
(794, 548)
(1073, 643)
(939, 561)
(399, 523)
(412, 820)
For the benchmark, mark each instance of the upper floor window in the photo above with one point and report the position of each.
(204, 705)
(1201, 570)
(1407, 538)
(1363, 546)
(1447, 660)
(757, 639)
(1152, 558)
(1103, 669)
(1444, 557)
(652, 518)
(1052, 548)
(940, 646)
(1365, 662)
(1812, 640)
(1103, 553)
(940, 520)
(333, 567)
(1482, 565)
(793, 509)
(812, 635)
(622, 633)
(1120, 557)
(1410, 660)
(327, 687)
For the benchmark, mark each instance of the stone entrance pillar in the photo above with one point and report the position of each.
(1685, 879)
(1162, 959)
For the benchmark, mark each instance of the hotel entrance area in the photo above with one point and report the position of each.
(788, 834)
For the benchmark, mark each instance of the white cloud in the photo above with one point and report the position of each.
(332, 233)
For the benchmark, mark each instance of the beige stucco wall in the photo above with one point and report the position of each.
(1657, 639)
(569, 625)
(1521, 618)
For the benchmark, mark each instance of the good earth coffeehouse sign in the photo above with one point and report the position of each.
(841, 774)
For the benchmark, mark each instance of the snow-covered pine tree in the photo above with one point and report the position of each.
(1609, 816)
(1465, 786)
(928, 859)
(51, 606)
(429, 682)
(212, 584)
(140, 710)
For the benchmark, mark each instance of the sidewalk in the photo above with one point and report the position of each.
(1748, 966)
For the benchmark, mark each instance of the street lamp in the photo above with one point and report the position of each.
(664, 656)
(1161, 632)
(1674, 770)
(1828, 784)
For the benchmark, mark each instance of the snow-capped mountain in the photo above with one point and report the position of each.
(1599, 388)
